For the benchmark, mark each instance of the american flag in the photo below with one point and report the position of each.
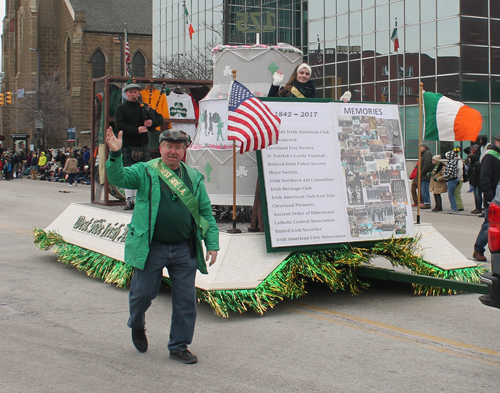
(127, 55)
(250, 121)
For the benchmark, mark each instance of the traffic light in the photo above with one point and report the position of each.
(2, 99)
(9, 97)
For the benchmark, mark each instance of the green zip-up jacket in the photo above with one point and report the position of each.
(142, 177)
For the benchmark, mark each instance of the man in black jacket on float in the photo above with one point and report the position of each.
(135, 120)
(490, 175)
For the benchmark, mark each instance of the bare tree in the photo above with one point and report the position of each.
(196, 64)
(49, 107)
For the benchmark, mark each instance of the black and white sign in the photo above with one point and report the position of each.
(337, 175)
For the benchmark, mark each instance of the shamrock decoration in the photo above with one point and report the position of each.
(227, 71)
(273, 67)
(178, 109)
(208, 170)
(241, 171)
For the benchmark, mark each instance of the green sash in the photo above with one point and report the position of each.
(494, 153)
(178, 187)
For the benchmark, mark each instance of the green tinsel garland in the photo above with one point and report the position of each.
(94, 264)
(335, 268)
(406, 252)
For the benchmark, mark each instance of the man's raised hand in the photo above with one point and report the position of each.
(112, 141)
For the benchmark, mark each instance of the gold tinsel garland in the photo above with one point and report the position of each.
(335, 268)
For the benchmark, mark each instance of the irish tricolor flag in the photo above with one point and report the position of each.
(395, 39)
(188, 22)
(448, 120)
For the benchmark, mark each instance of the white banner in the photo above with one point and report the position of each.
(337, 175)
(212, 126)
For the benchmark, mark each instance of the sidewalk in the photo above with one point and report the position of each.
(467, 198)
(460, 229)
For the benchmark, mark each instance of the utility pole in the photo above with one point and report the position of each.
(38, 117)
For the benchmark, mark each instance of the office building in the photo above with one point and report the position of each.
(451, 46)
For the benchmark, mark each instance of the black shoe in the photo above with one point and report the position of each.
(481, 215)
(184, 357)
(130, 204)
(140, 340)
(460, 210)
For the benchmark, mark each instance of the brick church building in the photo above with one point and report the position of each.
(71, 42)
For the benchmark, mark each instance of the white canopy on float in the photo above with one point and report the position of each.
(211, 153)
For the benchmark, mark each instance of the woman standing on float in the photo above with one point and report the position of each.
(299, 85)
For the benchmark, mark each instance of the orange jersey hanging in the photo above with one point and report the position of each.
(159, 106)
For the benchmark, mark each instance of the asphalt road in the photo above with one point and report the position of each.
(61, 331)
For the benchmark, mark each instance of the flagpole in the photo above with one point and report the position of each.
(420, 88)
(126, 41)
(397, 67)
(234, 229)
(184, 35)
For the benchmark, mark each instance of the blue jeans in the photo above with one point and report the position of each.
(426, 197)
(452, 185)
(71, 177)
(478, 197)
(146, 283)
(482, 237)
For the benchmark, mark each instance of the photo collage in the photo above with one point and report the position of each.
(373, 163)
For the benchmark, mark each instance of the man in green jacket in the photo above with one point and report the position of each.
(172, 217)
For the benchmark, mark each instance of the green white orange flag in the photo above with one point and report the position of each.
(395, 39)
(449, 120)
(188, 22)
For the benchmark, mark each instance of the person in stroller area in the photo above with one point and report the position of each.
(48, 174)
(83, 177)
(45, 171)
(59, 174)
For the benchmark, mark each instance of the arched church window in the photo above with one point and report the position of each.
(139, 65)
(98, 64)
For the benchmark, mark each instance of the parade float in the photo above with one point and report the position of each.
(334, 196)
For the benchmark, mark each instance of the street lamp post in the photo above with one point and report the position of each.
(38, 116)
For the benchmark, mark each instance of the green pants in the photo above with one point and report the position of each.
(458, 195)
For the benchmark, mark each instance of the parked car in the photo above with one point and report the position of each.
(492, 279)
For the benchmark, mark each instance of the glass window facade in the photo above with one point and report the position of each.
(235, 22)
(451, 46)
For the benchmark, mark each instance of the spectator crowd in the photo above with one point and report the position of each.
(480, 168)
(58, 165)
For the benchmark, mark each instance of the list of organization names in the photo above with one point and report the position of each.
(303, 185)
